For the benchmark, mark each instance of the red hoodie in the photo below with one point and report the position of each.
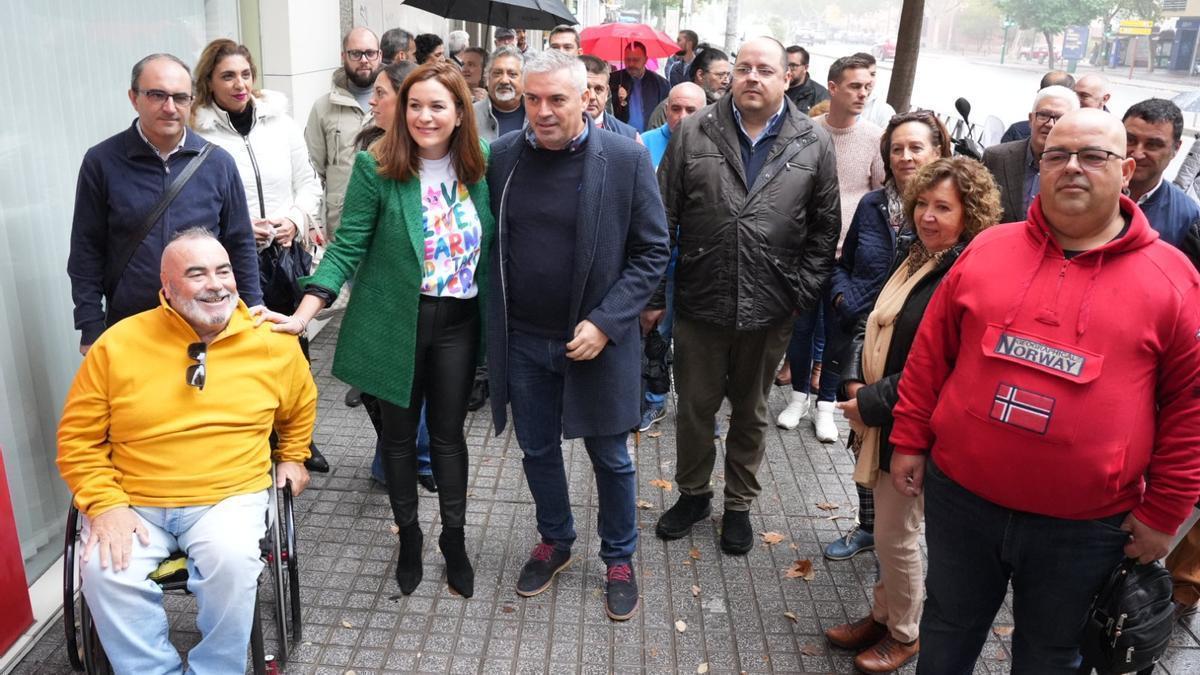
(1068, 388)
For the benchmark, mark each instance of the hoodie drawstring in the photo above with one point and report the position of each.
(1085, 305)
(1028, 283)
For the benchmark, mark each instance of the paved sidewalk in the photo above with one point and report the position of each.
(738, 614)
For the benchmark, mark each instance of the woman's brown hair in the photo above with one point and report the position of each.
(937, 131)
(210, 58)
(975, 187)
(397, 152)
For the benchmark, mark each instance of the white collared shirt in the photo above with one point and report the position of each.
(164, 158)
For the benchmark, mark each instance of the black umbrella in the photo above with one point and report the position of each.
(544, 14)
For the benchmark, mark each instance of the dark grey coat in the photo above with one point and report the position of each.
(621, 253)
(1006, 161)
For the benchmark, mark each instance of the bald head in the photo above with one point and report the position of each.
(1082, 173)
(683, 101)
(1092, 90)
(198, 282)
(770, 45)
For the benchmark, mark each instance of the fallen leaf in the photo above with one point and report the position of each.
(643, 504)
(654, 434)
(695, 591)
(347, 624)
(793, 546)
(771, 538)
(687, 562)
(791, 616)
(1003, 631)
(831, 518)
(680, 626)
(395, 528)
(664, 485)
(702, 668)
(826, 506)
(351, 672)
(801, 569)
(809, 650)
(694, 553)
(507, 609)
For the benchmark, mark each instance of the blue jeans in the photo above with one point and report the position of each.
(536, 367)
(221, 542)
(664, 326)
(817, 325)
(976, 548)
(424, 466)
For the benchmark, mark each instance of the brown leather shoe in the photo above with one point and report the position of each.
(887, 655)
(861, 633)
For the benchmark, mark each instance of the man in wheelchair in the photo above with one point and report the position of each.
(164, 443)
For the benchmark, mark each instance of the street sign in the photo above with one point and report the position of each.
(1136, 28)
(1075, 40)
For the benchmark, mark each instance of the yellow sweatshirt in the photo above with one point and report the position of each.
(134, 433)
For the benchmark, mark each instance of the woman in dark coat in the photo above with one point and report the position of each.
(948, 202)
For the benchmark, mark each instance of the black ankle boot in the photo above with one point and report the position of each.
(459, 573)
(408, 564)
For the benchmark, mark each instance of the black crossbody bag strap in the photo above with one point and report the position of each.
(115, 272)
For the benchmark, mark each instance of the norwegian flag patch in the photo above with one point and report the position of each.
(1022, 408)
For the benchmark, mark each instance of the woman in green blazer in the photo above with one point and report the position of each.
(415, 234)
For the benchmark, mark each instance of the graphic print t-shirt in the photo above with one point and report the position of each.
(452, 232)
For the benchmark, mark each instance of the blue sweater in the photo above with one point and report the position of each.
(120, 181)
(656, 142)
(1170, 212)
(867, 256)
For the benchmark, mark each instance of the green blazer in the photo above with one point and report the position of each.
(381, 244)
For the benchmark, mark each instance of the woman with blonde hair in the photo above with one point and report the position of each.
(415, 236)
(948, 201)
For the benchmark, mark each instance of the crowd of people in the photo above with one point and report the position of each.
(1015, 343)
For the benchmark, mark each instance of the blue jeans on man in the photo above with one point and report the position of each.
(977, 547)
(536, 368)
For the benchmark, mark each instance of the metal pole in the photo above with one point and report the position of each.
(1004, 47)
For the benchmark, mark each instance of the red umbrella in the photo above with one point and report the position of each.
(608, 41)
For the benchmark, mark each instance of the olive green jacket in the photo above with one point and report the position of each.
(381, 244)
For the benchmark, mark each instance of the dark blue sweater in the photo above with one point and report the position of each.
(120, 181)
(1171, 212)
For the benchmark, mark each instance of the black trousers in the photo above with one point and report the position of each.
(443, 369)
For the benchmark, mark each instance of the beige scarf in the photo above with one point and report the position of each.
(880, 325)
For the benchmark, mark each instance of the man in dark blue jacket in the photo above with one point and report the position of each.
(120, 182)
(636, 92)
(581, 243)
(1153, 134)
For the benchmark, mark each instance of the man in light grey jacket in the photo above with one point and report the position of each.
(502, 111)
(336, 119)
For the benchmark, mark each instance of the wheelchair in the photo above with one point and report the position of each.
(281, 572)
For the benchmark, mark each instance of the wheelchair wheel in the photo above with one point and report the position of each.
(277, 561)
(95, 661)
(291, 593)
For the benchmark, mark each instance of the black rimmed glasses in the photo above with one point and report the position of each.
(360, 54)
(159, 97)
(1092, 159)
(198, 352)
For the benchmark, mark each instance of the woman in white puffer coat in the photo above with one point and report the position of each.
(282, 188)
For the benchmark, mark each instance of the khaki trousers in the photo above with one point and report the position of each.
(711, 363)
(900, 592)
(1184, 565)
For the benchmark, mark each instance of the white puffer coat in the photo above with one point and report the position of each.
(273, 160)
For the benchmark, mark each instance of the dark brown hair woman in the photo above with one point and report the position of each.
(415, 236)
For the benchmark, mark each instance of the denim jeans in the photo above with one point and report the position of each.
(424, 467)
(818, 325)
(977, 547)
(221, 542)
(536, 367)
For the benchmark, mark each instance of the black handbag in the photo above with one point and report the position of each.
(279, 272)
(655, 369)
(1129, 624)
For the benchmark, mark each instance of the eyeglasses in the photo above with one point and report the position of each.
(721, 75)
(1043, 118)
(159, 97)
(198, 352)
(360, 54)
(1089, 158)
(763, 72)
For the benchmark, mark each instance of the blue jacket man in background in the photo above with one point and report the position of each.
(121, 181)
(569, 277)
(1153, 134)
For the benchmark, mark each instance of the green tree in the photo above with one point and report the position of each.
(1050, 17)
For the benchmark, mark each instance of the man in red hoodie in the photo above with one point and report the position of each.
(1051, 412)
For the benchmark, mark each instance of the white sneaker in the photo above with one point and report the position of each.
(796, 410)
(823, 422)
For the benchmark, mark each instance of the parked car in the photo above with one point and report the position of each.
(1035, 54)
(884, 51)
